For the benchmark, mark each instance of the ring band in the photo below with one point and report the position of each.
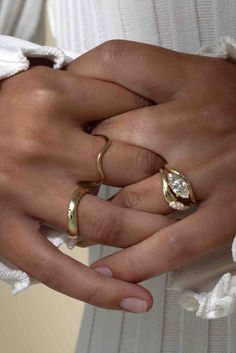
(177, 189)
(99, 161)
(73, 227)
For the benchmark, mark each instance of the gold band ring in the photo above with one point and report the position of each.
(73, 227)
(177, 189)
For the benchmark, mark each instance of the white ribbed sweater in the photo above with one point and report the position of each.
(184, 25)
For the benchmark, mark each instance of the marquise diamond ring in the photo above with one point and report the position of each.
(177, 189)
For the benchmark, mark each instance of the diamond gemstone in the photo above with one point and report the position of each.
(176, 205)
(178, 185)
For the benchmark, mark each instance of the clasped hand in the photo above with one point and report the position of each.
(164, 107)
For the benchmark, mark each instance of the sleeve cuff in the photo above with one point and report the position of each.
(15, 54)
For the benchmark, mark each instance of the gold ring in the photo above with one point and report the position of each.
(99, 162)
(73, 227)
(177, 189)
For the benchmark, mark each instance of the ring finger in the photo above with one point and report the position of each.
(99, 221)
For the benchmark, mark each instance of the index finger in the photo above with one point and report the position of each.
(150, 71)
(93, 100)
(24, 246)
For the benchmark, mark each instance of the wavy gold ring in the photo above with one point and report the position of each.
(177, 189)
(73, 227)
(99, 161)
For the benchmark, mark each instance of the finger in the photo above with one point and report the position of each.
(99, 221)
(163, 128)
(116, 226)
(155, 131)
(25, 247)
(86, 99)
(175, 245)
(150, 71)
(153, 128)
(146, 195)
(91, 99)
(122, 163)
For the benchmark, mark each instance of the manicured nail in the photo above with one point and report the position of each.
(104, 270)
(135, 305)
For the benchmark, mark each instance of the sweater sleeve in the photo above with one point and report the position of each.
(15, 54)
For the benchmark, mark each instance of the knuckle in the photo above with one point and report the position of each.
(42, 91)
(131, 198)
(134, 269)
(112, 50)
(32, 79)
(46, 99)
(46, 273)
(147, 162)
(107, 229)
(178, 249)
(28, 147)
(35, 144)
(95, 296)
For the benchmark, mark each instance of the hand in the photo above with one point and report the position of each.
(44, 153)
(193, 128)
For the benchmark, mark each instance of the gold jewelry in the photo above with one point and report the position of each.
(99, 161)
(177, 189)
(73, 228)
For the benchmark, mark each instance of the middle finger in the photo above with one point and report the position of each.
(99, 221)
(122, 163)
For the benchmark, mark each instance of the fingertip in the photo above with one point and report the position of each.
(138, 303)
(148, 298)
(134, 297)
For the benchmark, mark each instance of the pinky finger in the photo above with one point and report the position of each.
(22, 244)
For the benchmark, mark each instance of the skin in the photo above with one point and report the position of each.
(191, 126)
(44, 153)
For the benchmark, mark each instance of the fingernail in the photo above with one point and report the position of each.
(135, 305)
(104, 270)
